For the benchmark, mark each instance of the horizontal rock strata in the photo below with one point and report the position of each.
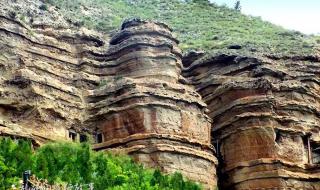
(266, 119)
(144, 111)
(59, 83)
(64, 82)
(44, 72)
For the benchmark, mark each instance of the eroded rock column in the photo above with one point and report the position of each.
(145, 111)
(266, 119)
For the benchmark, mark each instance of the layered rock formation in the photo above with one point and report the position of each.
(44, 71)
(145, 111)
(58, 83)
(63, 82)
(266, 121)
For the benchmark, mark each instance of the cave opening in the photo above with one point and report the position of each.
(99, 138)
(315, 153)
(313, 150)
(72, 135)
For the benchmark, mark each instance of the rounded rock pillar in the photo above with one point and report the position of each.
(147, 113)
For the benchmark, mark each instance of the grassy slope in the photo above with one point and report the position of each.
(197, 26)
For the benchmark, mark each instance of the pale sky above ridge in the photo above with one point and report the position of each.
(300, 15)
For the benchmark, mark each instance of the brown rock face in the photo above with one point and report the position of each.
(44, 71)
(58, 82)
(144, 111)
(266, 119)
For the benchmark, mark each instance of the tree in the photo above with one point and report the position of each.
(237, 6)
(75, 163)
(15, 158)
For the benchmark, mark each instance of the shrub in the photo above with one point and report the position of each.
(75, 163)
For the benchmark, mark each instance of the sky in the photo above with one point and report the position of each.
(300, 15)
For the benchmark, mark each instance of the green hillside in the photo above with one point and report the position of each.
(197, 25)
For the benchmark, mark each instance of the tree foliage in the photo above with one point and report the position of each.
(15, 158)
(74, 163)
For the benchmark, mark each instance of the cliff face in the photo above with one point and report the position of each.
(44, 72)
(128, 93)
(145, 111)
(265, 114)
(133, 93)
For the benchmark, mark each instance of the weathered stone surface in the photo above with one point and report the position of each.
(264, 111)
(60, 83)
(145, 111)
(44, 72)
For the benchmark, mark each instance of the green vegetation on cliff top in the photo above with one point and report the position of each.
(197, 25)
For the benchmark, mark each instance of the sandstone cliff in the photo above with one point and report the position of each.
(265, 112)
(134, 92)
(145, 111)
(45, 70)
(126, 92)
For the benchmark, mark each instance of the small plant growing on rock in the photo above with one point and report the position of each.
(43, 7)
(118, 77)
(103, 83)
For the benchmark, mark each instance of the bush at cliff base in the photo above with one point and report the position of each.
(74, 163)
